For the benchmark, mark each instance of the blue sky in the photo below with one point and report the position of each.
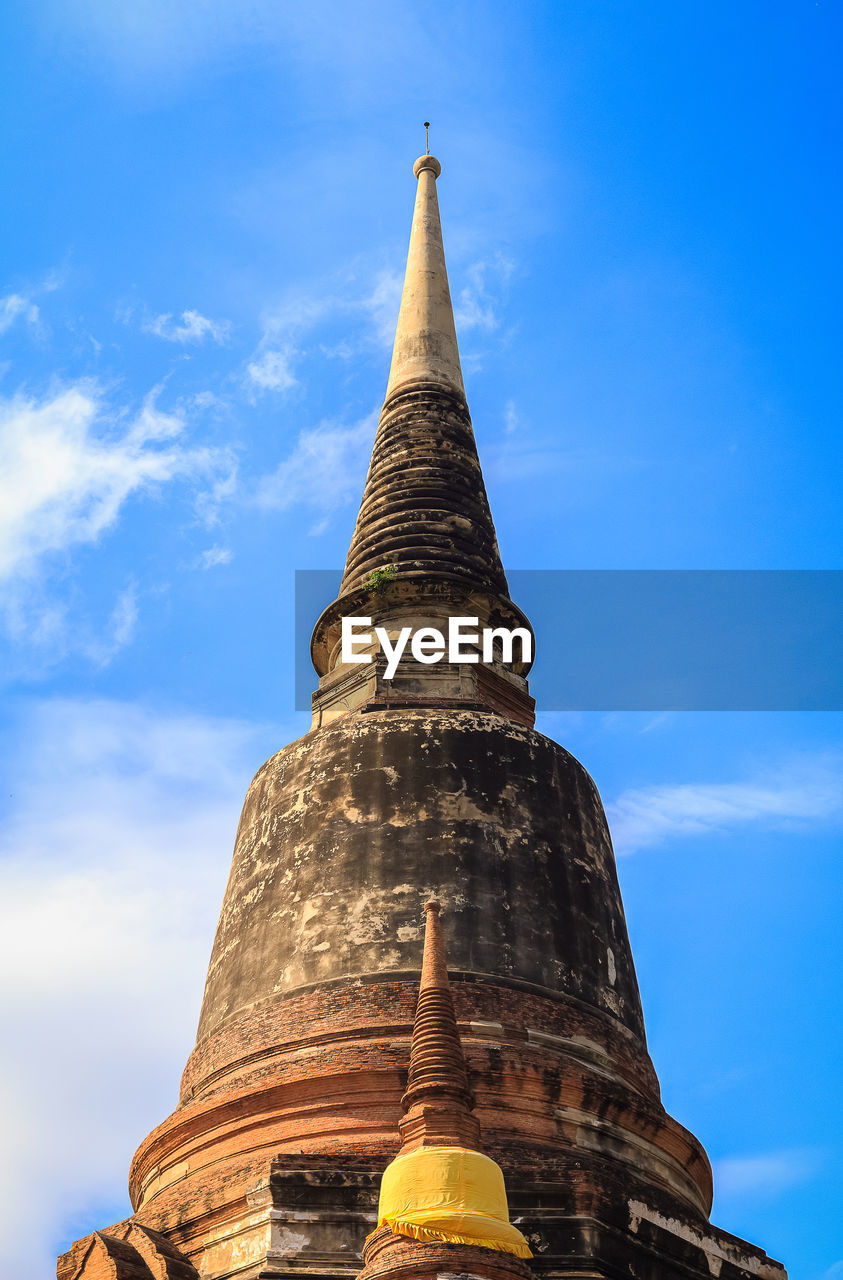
(206, 213)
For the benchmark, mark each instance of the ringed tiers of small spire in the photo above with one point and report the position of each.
(437, 1103)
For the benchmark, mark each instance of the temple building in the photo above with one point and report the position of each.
(421, 1050)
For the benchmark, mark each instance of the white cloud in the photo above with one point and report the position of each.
(68, 463)
(511, 462)
(809, 789)
(15, 306)
(119, 632)
(325, 471)
(368, 320)
(194, 328)
(173, 38)
(767, 1174)
(271, 369)
(214, 556)
(209, 500)
(113, 857)
(124, 618)
(207, 400)
(383, 305)
(477, 304)
(298, 312)
(42, 631)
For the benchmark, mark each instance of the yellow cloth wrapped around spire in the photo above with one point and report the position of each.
(450, 1194)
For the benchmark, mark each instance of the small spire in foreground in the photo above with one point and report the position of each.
(441, 1187)
(427, 137)
(437, 1104)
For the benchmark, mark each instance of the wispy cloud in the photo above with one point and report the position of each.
(211, 498)
(214, 556)
(193, 329)
(295, 327)
(766, 1174)
(115, 846)
(324, 472)
(805, 790)
(176, 38)
(119, 632)
(478, 303)
(69, 462)
(41, 628)
(382, 306)
(272, 365)
(17, 307)
(521, 457)
(271, 369)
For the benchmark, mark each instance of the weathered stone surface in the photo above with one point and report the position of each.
(162, 1258)
(106, 1257)
(308, 1048)
(325, 1069)
(424, 506)
(416, 603)
(425, 338)
(128, 1251)
(346, 831)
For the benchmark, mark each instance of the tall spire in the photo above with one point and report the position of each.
(424, 507)
(426, 340)
(424, 516)
(437, 1103)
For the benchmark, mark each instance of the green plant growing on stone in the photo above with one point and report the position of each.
(379, 579)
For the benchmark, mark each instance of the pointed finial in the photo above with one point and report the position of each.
(427, 137)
